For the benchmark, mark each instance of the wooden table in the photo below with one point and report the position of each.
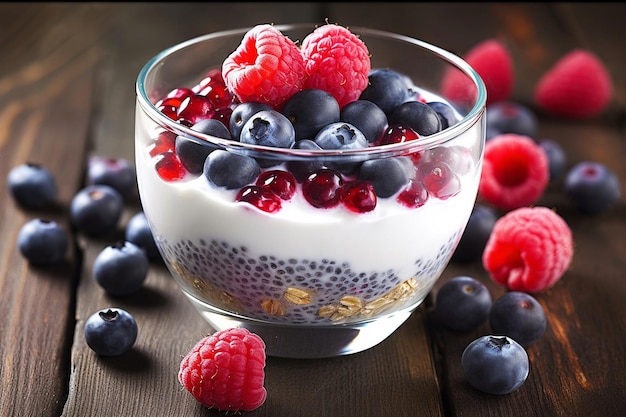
(67, 73)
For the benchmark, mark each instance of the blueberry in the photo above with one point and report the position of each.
(42, 242)
(32, 185)
(339, 136)
(418, 116)
(367, 117)
(511, 117)
(495, 364)
(519, 316)
(138, 232)
(96, 209)
(310, 110)
(193, 151)
(557, 159)
(268, 128)
(121, 268)
(387, 175)
(300, 168)
(242, 113)
(110, 332)
(462, 304)
(446, 113)
(386, 88)
(592, 187)
(117, 173)
(476, 234)
(230, 170)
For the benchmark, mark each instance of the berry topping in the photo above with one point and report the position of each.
(230, 170)
(367, 117)
(592, 187)
(110, 332)
(267, 67)
(462, 304)
(529, 249)
(241, 114)
(268, 128)
(492, 60)
(577, 86)
(387, 89)
(439, 179)
(519, 316)
(259, 197)
(169, 166)
(387, 175)
(322, 188)
(281, 183)
(225, 371)
(495, 365)
(511, 117)
(420, 117)
(32, 185)
(358, 196)
(310, 110)
(337, 61)
(515, 172)
(42, 242)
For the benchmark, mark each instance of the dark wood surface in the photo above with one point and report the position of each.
(67, 73)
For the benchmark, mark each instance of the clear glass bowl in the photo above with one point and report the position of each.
(313, 282)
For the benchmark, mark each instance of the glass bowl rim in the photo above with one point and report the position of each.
(425, 142)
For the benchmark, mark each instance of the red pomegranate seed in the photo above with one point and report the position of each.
(164, 142)
(195, 108)
(358, 196)
(218, 94)
(414, 196)
(439, 179)
(281, 183)
(223, 115)
(322, 188)
(398, 134)
(175, 97)
(260, 198)
(169, 167)
(213, 77)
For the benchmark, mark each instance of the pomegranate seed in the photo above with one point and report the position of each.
(260, 198)
(164, 142)
(358, 196)
(322, 188)
(281, 183)
(414, 196)
(195, 108)
(223, 115)
(169, 167)
(175, 97)
(213, 77)
(398, 134)
(439, 179)
(218, 94)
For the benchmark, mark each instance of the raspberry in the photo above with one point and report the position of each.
(515, 171)
(225, 370)
(267, 67)
(492, 61)
(529, 249)
(577, 86)
(336, 61)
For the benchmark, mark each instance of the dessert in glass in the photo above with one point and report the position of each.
(318, 219)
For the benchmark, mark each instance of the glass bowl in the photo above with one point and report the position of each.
(312, 282)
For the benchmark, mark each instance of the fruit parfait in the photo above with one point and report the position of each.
(308, 182)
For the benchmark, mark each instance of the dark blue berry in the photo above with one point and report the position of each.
(242, 113)
(310, 110)
(117, 173)
(268, 128)
(592, 187)
(193, 151)
(511, 117)
(111, 332)
(301, 168)
(42, 242)
(387, 175)
(32, 185)
(121, 268)
(138, 232)
(495, 365)
(230, 170)
(418, 116)
(367, 117)
(96, 209)
(519, 316)
(340, 136)
(462, 304)
(556, 158)
(446, 113)
(476, 234)
(387, 89)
